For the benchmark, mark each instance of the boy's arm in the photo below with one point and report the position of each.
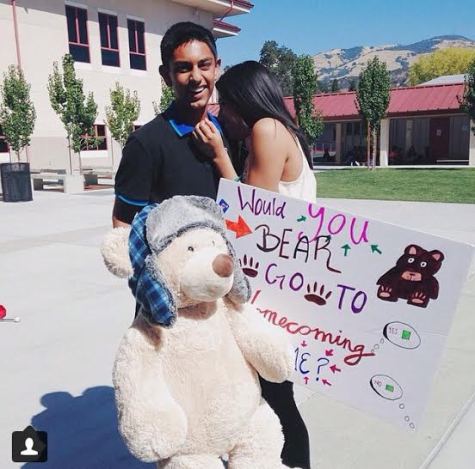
(133, 183)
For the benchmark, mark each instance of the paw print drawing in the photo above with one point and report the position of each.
(386, 292)
(314, 295)
(249, 267)
(418, 298)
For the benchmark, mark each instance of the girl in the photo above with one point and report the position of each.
(252, 110)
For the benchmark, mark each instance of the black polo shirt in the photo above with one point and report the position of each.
(161, 160)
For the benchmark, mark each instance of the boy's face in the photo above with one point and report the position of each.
(191, 73)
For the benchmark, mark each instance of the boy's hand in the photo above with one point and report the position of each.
(208, 139)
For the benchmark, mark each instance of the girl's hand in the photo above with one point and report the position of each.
(208, 139)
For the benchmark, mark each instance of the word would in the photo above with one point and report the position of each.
(259, 206)
(300, 250)
(357, 351)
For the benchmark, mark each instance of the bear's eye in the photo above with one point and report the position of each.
(191, 248)
(410, 260)
(423, 264)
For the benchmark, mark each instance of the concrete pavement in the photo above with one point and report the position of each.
(56, 364)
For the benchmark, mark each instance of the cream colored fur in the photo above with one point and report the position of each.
(190, 393)
(115, 252)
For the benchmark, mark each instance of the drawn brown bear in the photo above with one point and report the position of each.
(412, 278)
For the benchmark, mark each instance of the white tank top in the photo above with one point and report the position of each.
(304, 187)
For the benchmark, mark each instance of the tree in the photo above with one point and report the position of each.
(304, 89)
(76, 111)
(166, 99)
(353, 85)
(335, 86)
(322, 86)
(17, 112)
(450, 61)
(279, 60)
(122, 113)
(468, 100)
(372, 97)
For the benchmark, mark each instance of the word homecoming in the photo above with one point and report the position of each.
(357, 352)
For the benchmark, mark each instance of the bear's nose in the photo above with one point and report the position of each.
(223, 265)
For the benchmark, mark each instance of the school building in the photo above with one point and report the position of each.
(110, 40)
(424, 125)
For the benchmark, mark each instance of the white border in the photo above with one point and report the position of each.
(76, 4)
(136, 18)
(108, 12)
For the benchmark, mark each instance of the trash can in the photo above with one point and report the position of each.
(16, 182)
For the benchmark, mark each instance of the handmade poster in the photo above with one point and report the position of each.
(367, 305)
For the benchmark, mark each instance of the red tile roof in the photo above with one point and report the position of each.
(404, 101)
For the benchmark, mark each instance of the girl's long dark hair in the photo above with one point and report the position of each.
(254, 94)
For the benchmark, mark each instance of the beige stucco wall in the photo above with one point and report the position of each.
(44, 39)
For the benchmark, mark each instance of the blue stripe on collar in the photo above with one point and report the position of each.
(185, 129)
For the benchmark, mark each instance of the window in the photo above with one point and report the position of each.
(100, 136)
(136, 45)
(3, 143)
(109, 40)
(77, 33)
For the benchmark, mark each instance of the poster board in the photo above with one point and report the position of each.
(367, 305)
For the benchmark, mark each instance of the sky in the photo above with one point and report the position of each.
(313, 26)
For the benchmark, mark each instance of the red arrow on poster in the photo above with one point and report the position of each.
(306, 379)
(329, 353)
(239, 227)
(334, 369)
(324, 381)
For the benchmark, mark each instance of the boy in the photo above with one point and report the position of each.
(171, 155)
(162, 158)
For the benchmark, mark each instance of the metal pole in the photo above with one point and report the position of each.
(17, 40)
(18, 57)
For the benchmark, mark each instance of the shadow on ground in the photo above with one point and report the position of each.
(82, 432)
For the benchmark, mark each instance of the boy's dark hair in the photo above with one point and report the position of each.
(182, 33)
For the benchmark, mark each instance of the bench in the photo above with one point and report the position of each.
(92, 174)
(70, 183)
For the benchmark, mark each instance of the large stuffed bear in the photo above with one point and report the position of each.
(186, 373)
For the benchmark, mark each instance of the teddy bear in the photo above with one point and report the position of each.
(186, 371)
(412, 278)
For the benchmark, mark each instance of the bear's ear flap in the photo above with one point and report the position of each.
(241, 290)
(157, 303)
(437, 255)
(115, 252)
(413, 249)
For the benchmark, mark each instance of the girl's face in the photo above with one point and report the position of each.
(233, 123)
